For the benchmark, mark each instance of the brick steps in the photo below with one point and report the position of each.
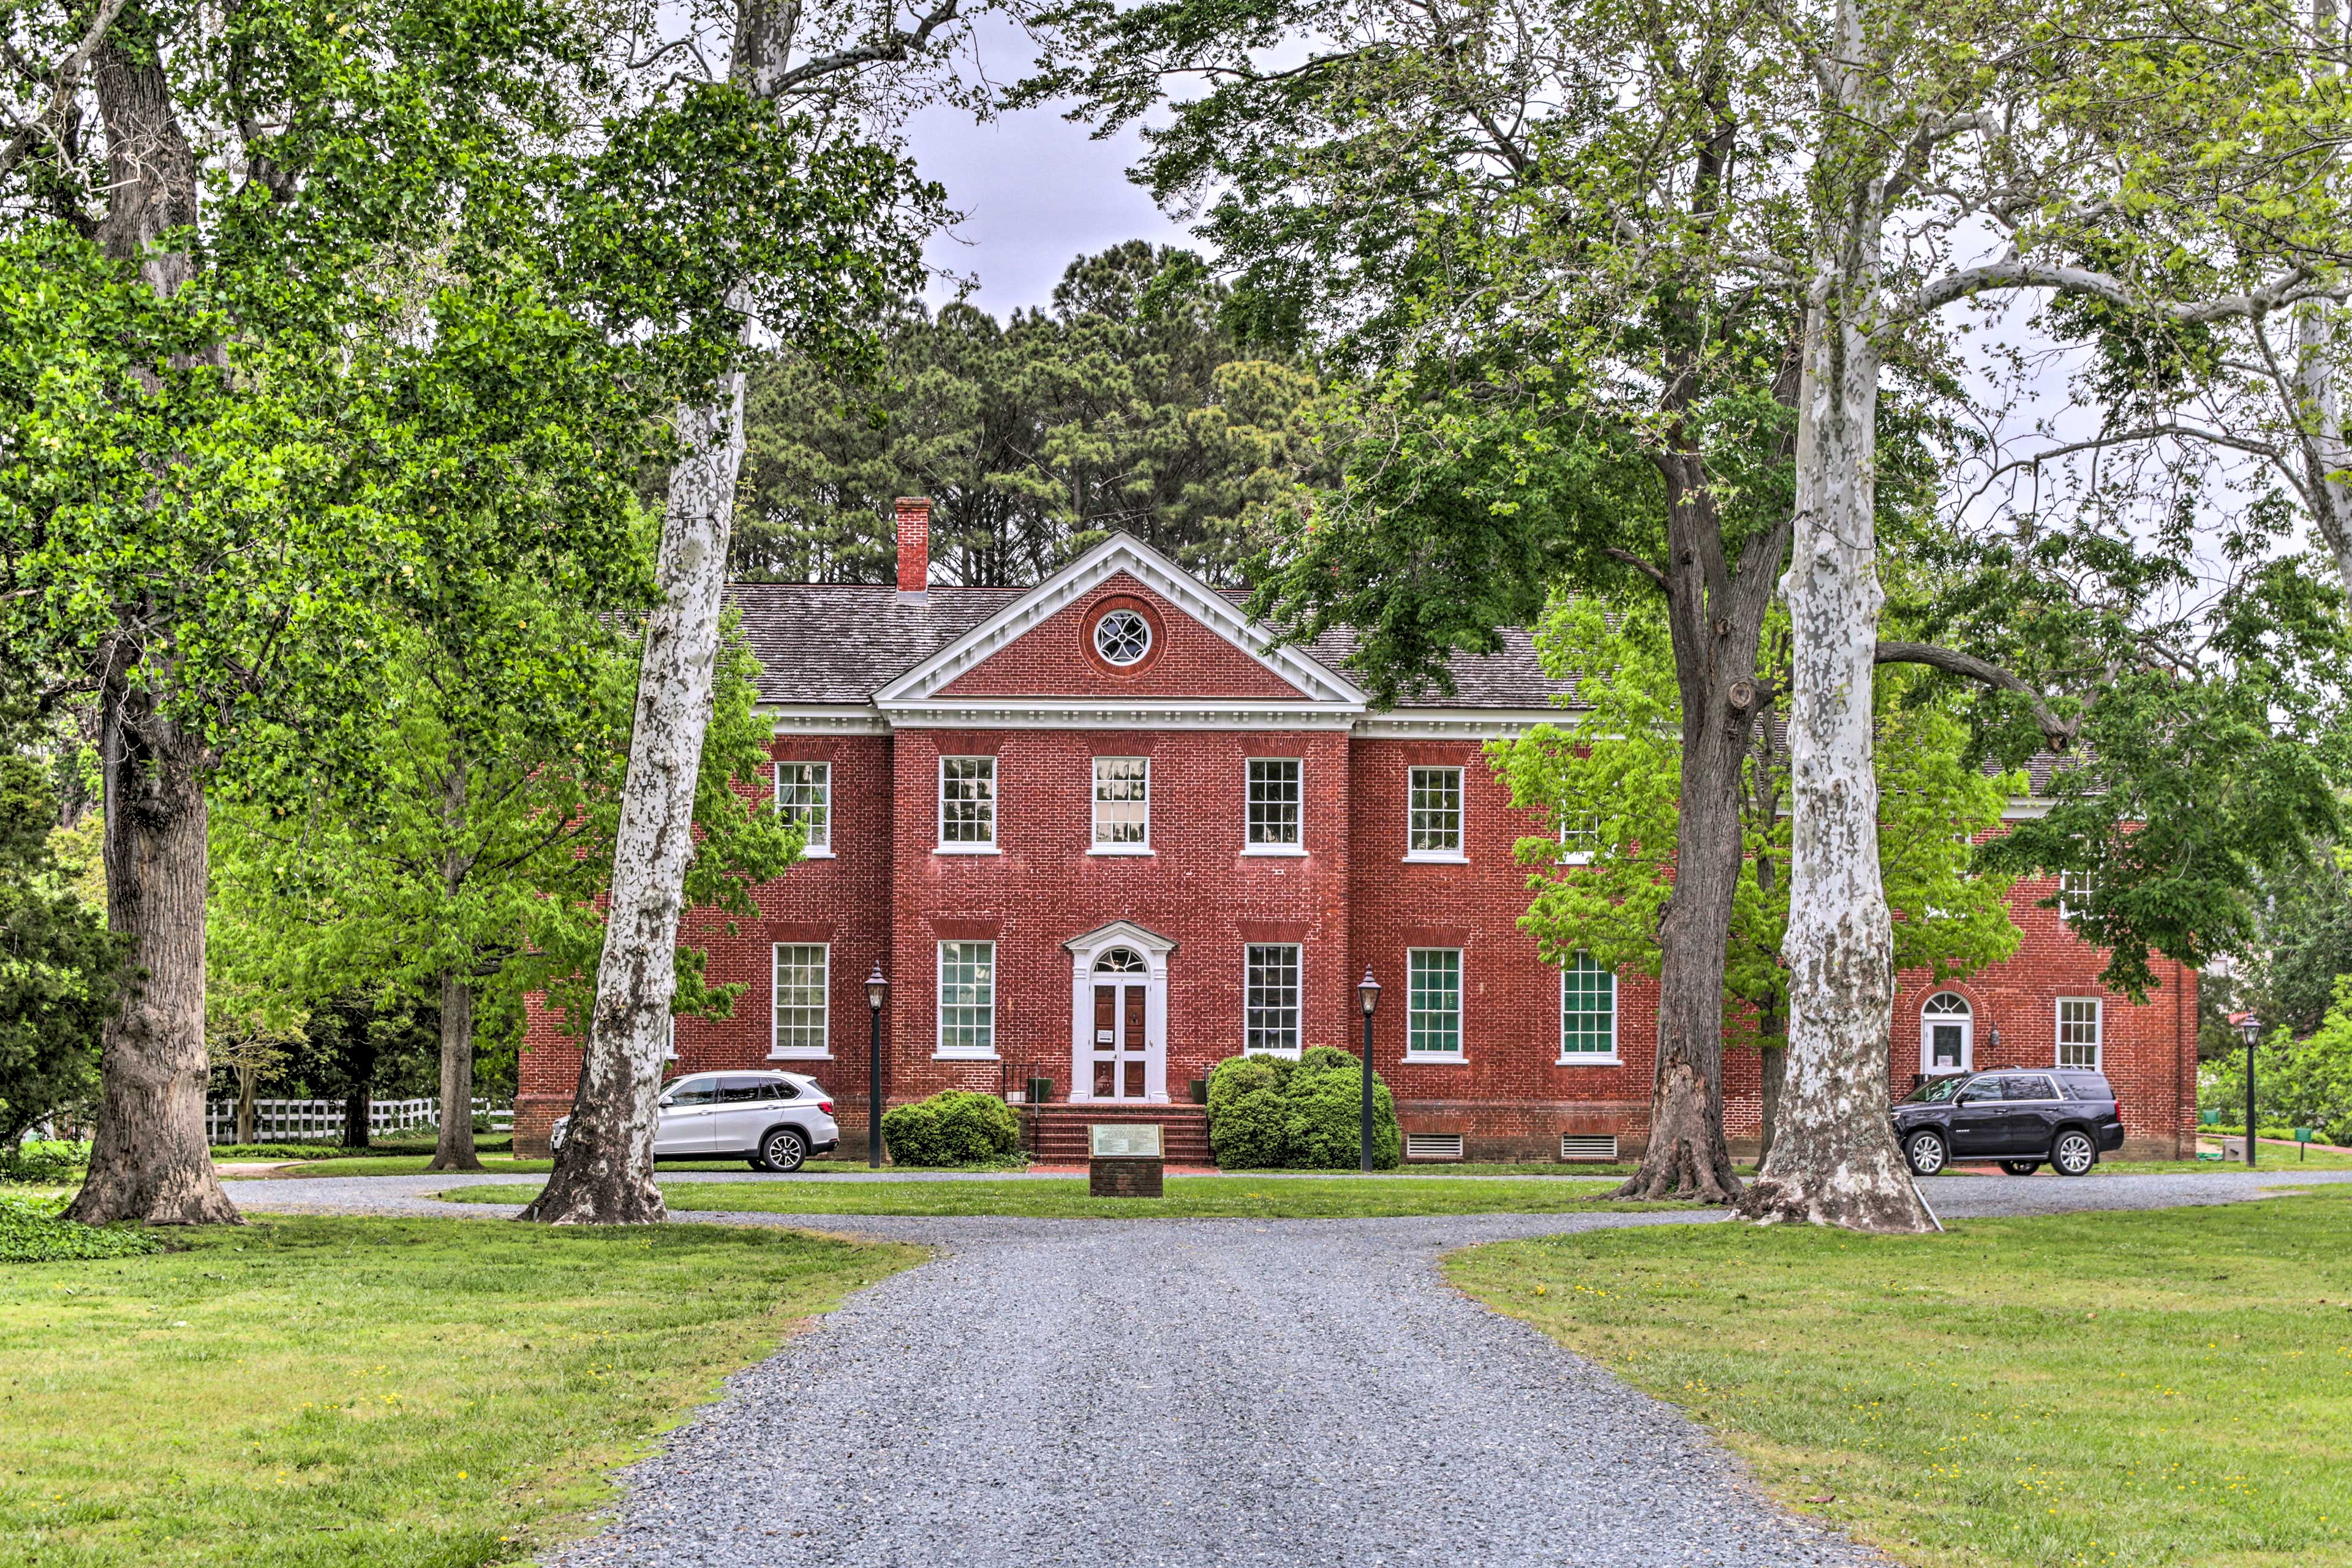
(1058, 1133)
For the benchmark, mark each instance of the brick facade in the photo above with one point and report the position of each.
(885, 896)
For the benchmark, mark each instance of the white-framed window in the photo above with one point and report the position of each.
(1270, 998)
(1122, 805)
(967, 999)
(804, 796)
(2079, 1028)
(802, 1020)
(1587, 1011)
(669, 1036)
(967, 803)
(1275, 802)
(1947, 1030)
(1122, 638)
(1433, 813)
(2074, 894)
(1433, 1018)
(1580, 837)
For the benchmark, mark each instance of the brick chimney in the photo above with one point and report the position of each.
(914, 545)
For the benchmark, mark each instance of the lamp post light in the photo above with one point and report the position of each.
(1370, 992)
(2253, 1031)
(876, 989)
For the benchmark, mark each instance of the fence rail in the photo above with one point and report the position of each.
(311, 1120)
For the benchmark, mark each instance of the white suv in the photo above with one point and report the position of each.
(775, 1120)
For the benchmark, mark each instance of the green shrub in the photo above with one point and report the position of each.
(45, 1162)
(33, 1231)
(954, 1127)
(1269, 1111)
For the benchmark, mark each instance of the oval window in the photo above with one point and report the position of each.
(1122, 637)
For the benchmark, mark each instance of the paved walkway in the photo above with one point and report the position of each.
(1240, 1394)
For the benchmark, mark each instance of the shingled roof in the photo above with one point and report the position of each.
(842, 642)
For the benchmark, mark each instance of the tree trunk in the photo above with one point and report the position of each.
(455, 1149)
(357, 1106)
(603, 1173)
(1834, 1157)
(2327, 457)
(248, 1088)
(149, 1159)
(1775, 1068)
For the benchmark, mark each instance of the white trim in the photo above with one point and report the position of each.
(799, 1053)
(940, 805)
(826, 719)
(1460, 1008)
(1299, 779)
(776, 767)
(1435, 857)
(1616, 1024)
(1097, 845)
(1438, 1058)
(2058, 1035)
(940, 1051)
(1096, 713)
(1299, 978)
(1122, 553)
(1460, 853)
(1083, 950)
(965, 850)
(1123, 851)
(1273, 851)
(1968, 1023)
(1465, 724)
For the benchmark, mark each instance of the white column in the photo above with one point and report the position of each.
(1155, 1030)
(1082, 1023)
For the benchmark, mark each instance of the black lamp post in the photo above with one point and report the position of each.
(877, 989)
(1369, 991)
(2254, 1029)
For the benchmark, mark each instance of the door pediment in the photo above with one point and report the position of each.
(1120, 933)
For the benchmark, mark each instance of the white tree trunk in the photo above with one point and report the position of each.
(603, 1174)
(2326, 458)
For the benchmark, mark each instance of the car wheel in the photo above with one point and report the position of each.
(782, 1150)
(1928, 1153)
(2073, 1154)
(2020, 1167)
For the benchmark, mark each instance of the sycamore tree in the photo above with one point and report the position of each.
(1608, 783)
(463, 860)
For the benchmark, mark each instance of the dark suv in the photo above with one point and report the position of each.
(2022, 1117)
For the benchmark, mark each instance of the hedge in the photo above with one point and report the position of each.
(1270, 1113)
(954, 1127)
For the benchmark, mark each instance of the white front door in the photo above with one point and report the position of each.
(1119, 1061)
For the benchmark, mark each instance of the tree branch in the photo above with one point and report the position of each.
(1644, 567)
(2295, 284)
(2059, 732)
(68, 81)
(896, 45)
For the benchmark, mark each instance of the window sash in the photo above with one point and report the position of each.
(1588, 1009)
(1270, 997)
(1273, 800)
(1123, 800)
(804, 796)
(1580, 834)
(801, 1014)
(967, 800)
(1433, 1001)
(2079, 1031)
(1434, 811)
(967, 999)
(2074, 894)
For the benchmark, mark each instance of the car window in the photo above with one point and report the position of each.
(1936, 1090)
(1980, 1091)
(787, 1089)
(732, 1090)
(694, 1091)
(2032, 1087)
(2089, 1088)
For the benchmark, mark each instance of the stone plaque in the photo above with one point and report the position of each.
(1124, 1139)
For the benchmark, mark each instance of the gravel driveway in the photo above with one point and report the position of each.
(1236, 1393)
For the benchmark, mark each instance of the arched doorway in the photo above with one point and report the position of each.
(1118, 1033)
(1947, 1035)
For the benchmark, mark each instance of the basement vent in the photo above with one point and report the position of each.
(1587, 1146)
(1433, 1145)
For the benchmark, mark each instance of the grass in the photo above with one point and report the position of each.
(316, 1392)
(32, 1231)
(414, 1165)
(1188, 1198)
(2111, 1390)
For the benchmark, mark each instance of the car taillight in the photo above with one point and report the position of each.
(825, 1106)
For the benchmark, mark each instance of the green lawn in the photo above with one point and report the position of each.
(415, 1164)
(2159, 1388)
(424, 1393)
(1189, 1197)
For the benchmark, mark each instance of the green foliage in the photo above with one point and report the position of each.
(32, 1231)
(954, 1127)
(1614, 773)
(1269, 1112)
(58, 965)
(2297, 1082)
(2305, 943)
(44, 1161)
(1124, 406)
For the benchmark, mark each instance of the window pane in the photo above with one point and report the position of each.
(1273, 801)
(800, 1000)
(1434, 1011)
(1122, 800)
(1588, 1009)
(968, 800)
(1270, 999)
(1436, 809)
(1579, 833)
(805, 794)
(968, 996)
(2078, 1032)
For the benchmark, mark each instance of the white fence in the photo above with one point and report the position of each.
(321, 1120)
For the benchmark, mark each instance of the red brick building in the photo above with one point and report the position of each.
(1101, 832)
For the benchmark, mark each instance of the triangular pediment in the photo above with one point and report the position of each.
(1018, 652)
